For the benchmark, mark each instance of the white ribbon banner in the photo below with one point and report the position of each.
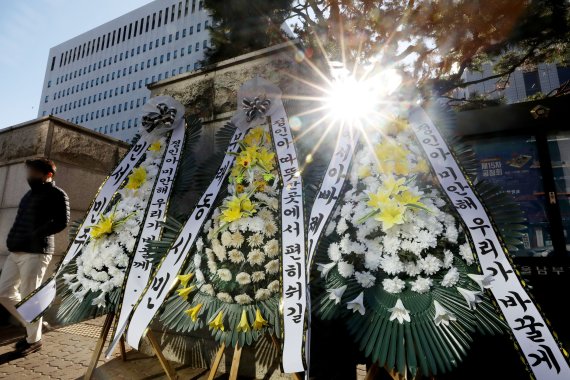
(529, 328)
(323, 205)
(294, 273)
(330, 189)
(33, 306)
(141, 267)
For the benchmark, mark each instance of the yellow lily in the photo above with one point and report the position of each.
(136, 178)
(103, 227)
(377, 200)
(408, 198)
(254, 136)
(421, 167)
(193, 312)
(155, 146)
(185, 278)
(259, 322)
(364, 171)
(218, 322)
(266, 159)
(394, 186)
(243, 325)
(390, 215)
(231, 214)
(185, 292)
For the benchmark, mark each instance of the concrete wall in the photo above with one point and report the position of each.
(83, 158)
(211, 94)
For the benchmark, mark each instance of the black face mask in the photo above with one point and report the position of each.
(35, 182)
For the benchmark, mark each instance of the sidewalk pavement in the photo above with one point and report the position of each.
(67, 351)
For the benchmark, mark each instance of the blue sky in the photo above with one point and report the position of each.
(28, 29)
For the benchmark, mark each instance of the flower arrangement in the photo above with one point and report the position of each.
(101, 266)
(233, 281)
(394, 259)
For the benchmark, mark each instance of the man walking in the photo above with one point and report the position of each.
(43, 212)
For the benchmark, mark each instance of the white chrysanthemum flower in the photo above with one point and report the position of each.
(421, 284)
(212, 266)
(272, 248)
(262, 294)
(199, 244)
(236, 256)
(466, 253)
(243, 299)
(270, 228)
(341, 226)
(430, 264)
(224, 274)
(224, 297)
(255, 240)
(274, 286)
(237, 239)
(372, 258)
(200, 279)
(265, 214)
(392, 264)
(451, 278)
(257, 276)
(256, 257)
(198, 258)
(365, 279)
(272, 267)
(345, 269)
(226, 238)
(447, 258)
(243, 278)
(393, 285)
(208, 289)
(412, 269)
(219, 250)
(334, 252)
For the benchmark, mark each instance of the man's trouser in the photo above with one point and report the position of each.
(23, 273)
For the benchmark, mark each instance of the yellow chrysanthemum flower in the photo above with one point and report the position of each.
(136, 178)
(259, 322)
(243, 325)
(185, 278)
(155, 146)
(103, 227)
(185, 292)
(390, 215)
(193, 312)
(231, 214)
(218, 322)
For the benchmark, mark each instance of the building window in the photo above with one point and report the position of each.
(169, 38)
(46, 99)
(161, 58)
(163, 40)
(198, 27)
(183, 33)
(531, 82)
(206, 23)
(168, 56)
(205, 44)
(175, 53)
(197, 46)
(191, 30)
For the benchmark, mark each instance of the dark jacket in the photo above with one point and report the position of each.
(42, 213)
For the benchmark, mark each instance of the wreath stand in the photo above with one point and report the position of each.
(170, 372)
(235, 362)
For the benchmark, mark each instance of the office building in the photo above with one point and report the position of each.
(98, 79)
